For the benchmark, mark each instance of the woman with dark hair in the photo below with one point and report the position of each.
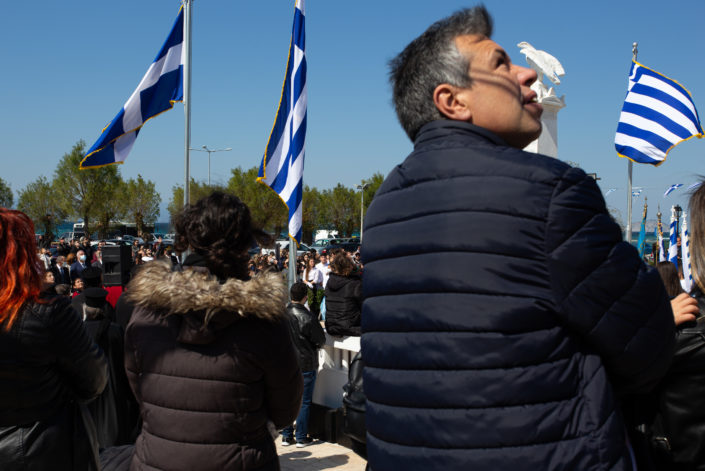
(208, 351)
(49, 362)
(314, 280)
(669, 275)
(679, 426)
(343, 297)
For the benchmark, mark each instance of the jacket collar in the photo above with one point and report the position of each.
(444, 128)
(157, 287)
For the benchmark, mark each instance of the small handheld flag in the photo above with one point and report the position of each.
(160, 88)
(687, 282)
(658, 114)
(282, 165)
(673, 240)
(672, 188)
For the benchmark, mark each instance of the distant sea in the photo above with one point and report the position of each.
(162, 227)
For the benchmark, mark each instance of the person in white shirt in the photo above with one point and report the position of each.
(324, 267)
(314, 280)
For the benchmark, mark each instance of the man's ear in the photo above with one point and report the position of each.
(451, 103)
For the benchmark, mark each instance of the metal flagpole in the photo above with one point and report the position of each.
(629, 176)
(187, 98)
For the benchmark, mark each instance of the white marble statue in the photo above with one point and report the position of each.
(546, 66)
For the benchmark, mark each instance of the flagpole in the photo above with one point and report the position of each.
(187, 99)
(630, 165)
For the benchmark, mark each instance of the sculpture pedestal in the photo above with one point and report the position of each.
(547, 142)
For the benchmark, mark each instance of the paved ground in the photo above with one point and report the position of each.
(318, 456)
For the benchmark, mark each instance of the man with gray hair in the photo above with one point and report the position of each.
(503, 320)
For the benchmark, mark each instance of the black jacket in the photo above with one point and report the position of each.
(47, 363)
(503, 315)
(679, 428)
(343, 303)
(307, 334)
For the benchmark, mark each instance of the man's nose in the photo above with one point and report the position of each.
(526, 75)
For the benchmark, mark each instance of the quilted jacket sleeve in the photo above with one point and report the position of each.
(603, 291)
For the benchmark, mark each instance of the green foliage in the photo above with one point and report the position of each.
(87, 194)
(197, 190)
(141, 202)
(313, 217)
(342, 209)
(37, 200)
(373, 183)
(266, 207)
(5, 194)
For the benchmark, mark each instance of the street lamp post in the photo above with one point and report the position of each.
(362, 187)
(210, 151)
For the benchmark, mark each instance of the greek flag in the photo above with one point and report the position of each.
(673, 240)
(658, 114)
(661, 245)
(160, 88)
(282, 167)
(687, 281)
(672, 188)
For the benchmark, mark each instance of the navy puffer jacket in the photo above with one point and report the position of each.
(503, 316)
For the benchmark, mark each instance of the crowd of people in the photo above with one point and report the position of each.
(504, 323)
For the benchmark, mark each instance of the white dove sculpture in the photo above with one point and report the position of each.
(542, 62)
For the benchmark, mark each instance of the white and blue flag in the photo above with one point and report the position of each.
(687, 281)
(672, 188)
(673, 240)
(282, 167)
(160, 88)
(658, 114)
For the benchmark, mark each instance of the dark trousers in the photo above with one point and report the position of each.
(302, 419)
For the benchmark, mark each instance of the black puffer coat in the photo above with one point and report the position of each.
(47, 363)
(343, 303)
(503, 315)
(207, 390)
(679, 428)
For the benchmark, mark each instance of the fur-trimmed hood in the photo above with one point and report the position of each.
(157, 287)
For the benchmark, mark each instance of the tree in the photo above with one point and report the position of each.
(82, 193)
(5, 194)
(265, 206)
(373, 183)
(112, 208)
(197, 190)
(142, 202)
(313, 215)
(342, 209)
(38, 201)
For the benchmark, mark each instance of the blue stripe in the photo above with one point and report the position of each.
(113, 131)
(664, 97)
(654, 139)
(176, 36)
(158, 97)
(655, 116)
(644, 71)
(635, 155)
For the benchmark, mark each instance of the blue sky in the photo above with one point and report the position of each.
(69, 67)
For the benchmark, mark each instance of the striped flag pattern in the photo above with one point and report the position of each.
(160, 88)
(672, 188)
(687, 281)
(282, 167)
(673, 240)
(658, 114)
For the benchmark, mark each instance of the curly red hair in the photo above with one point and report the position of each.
(20, 267)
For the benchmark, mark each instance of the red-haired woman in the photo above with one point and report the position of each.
(48, 361)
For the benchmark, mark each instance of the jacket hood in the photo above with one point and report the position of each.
(336, 282)
(157, 287)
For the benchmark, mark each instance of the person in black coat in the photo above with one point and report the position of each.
(61, 272)
(343, 297)
(115, 412)
(504, 318)
(308, 337)
(49, 363)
